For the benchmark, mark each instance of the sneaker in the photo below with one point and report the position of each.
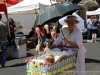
(97, 42)
(88, 40)
(3, 66)
(93, 41)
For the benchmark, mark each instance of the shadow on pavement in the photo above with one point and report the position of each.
(17, 65)
(88, 60)
(29, 55)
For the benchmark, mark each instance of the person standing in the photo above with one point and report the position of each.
(89, 28)
(47, 35)
(12, 27)
(95, 28)
(3, 41)
(72, 36)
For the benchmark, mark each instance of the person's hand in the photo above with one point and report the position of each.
(66, 40)
(61, 44)
(53, 46)
(86, 29)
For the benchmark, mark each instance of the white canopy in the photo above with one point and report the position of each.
(95, 12)
(27, 5)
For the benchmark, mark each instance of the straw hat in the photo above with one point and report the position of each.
(71, 17)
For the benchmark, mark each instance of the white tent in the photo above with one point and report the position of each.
(27, 5)
(80, 25)
(95, 12)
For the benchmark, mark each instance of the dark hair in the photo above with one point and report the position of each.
(33, 28)
(11, 20)
(38, 25)
(0, 16)
(58, 28)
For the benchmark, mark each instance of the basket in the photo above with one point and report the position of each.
(66, 66)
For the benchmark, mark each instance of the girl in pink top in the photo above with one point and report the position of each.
(53, 33)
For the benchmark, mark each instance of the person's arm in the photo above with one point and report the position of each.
(35, 34)
(58, 40)
(14, 28)
(52, 34)
(7, 31)
(47, 28)
(72, 44)
(90, 22)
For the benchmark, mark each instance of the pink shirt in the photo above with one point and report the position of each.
(54, 35)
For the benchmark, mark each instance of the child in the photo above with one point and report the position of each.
(49, 59)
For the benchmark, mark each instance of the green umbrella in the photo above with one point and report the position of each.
(55, 12)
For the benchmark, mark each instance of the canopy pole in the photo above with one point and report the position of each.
(7, 19)
(51, 2)
(38, 14)
(35, 13)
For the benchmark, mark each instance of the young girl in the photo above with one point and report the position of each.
(49, 59)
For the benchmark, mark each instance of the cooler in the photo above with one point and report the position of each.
(20, 49)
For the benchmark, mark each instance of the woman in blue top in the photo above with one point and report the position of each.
(95, 22)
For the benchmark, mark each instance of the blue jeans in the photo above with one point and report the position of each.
(89, 34)
(3, 46)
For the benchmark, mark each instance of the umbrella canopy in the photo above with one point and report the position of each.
(55, 12)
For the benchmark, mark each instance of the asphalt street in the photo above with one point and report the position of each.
(18, 66)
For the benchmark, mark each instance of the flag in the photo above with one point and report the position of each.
(12, 1)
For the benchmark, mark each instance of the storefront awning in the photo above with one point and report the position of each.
(88, 3)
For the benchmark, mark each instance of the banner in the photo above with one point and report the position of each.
(12, 1)
(3, 8)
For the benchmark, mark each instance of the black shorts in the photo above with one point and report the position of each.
(94, 31)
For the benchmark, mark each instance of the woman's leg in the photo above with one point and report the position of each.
(48, 44)
(88, 34)
(40, 48)
(93, 37)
